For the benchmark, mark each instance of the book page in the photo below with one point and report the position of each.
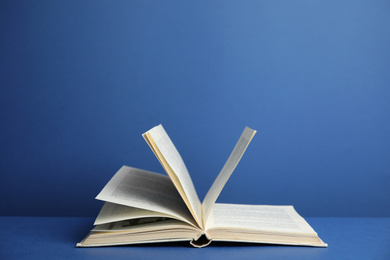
(144, 225)
(227, 170)
(112, 212)
(145, 190)
(170, 159)
(136, 232)
(258, 217)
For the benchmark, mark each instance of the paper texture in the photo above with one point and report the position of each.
(258, 217)
(227, 170)
(145, 190)
(169, 157)
(111, 212)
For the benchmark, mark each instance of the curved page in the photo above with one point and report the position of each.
(227, 170)
(145, 190)
(170, 159)
(112, 212)
(125, 233)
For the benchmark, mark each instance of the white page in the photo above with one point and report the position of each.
(227, 170)
(146, 190)
(169, 157)
(112, 212)
(258, 217)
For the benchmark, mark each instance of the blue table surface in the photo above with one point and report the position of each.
(56, 237)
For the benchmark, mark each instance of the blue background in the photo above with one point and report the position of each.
(80, 81)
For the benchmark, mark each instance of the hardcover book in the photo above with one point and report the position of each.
(146, 207)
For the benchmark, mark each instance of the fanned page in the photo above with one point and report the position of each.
(145, 190)
(170, 159)
(227, 170)
(140, 231)
(112, 212)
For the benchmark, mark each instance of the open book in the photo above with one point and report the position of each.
(146, 207)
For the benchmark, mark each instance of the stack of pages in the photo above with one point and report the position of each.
(147, 207)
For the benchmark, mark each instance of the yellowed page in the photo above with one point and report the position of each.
(145, 190)
(151, 225)
(128, 232)
(227, 170)
(170, 159)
